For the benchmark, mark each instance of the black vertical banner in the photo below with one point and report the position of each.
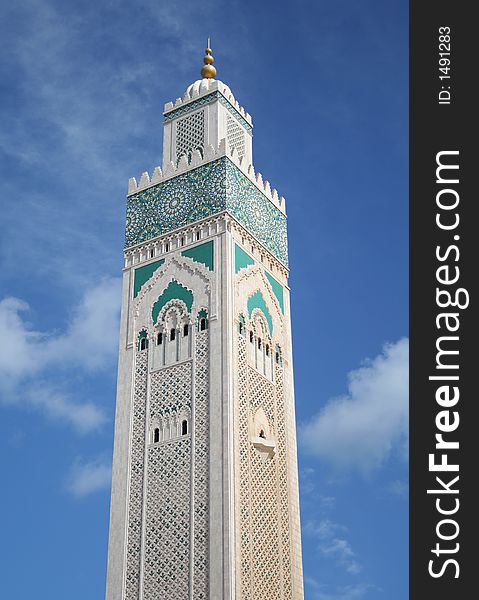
(444, 332)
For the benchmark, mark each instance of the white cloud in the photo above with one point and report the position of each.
(342, 551)
(17, 342)
(32, 361)
(92, 336)
(88, 477)
(362, 428)
(327, 502)
(90, 339)
(398, 488)
(309, 493)
(57, 405)
(332, 544)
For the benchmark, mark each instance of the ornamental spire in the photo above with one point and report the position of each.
(208, 71)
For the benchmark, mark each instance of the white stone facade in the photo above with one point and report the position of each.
(205, 486)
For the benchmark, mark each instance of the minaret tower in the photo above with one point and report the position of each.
(204, 501)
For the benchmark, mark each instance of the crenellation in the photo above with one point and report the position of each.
(157, 175)
(209, 153)
(169, 170)
(223, 146)
(132, 186)
(144, 180)
(197, 159)
(183, 163)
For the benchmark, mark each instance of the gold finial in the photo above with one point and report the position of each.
(208, 71)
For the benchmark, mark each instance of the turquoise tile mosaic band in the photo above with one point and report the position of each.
(209, 189)
(256, 213)
(181, 110)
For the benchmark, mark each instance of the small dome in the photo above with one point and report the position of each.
(203, 86)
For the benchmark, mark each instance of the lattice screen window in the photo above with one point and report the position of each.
(235, 134)
(190, 134)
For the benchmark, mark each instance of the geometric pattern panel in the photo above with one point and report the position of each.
(201, 467)
(167, 543)
(235, 135)
(209, 189)
(283, 525)
(263, 495)
(190, 134)
(168, 502)
(135, 500)
(176, 202)
(243, 515)
(170, 390)
(266, 559)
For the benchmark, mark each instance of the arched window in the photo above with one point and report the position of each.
(259, 343)
(242, 325)
(142, 340)
(186, 329)
(262, 434)
(159, 338)
(156, 435)
(184, 427)
(267, 349)
(202, 320)
(172, 334)
(198, 235)
(251, 337)
(182, 241)
(278, 356)
(152, 253)
(167, 247)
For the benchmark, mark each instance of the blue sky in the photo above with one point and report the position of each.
(82, 90)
